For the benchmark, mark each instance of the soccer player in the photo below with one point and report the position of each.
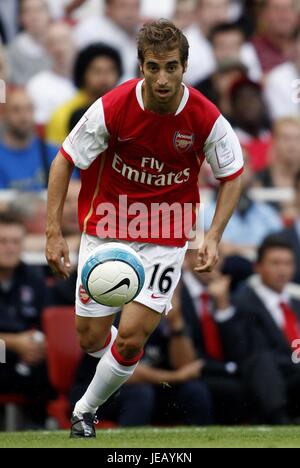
(146, 139)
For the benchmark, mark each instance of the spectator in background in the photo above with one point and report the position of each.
(25, 159)
(27, 54)
(117, 29)
(250, 121)
(218, 85)
(30, 209)
(274, 39)
(284, 161)
(228, 42)
(51, 88)
(9, 13)
(23, 296)
(292, 233)
(97, 70)
(250, 223)
(183, 15)
(282, 86)
(207, 15)
(206, 306)
(270, 322)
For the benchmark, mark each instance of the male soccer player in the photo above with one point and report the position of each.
(146, 139)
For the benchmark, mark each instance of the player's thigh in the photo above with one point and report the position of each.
(93, 331)
(137, 323)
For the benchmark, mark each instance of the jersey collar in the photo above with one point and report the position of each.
(181, 106)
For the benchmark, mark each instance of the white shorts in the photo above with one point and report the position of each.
(162, 272)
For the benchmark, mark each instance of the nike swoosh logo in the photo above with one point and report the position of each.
(154, 296)
(121, 140)
(125, 281)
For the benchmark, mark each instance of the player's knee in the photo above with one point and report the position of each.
(129, 347)
(89, 341)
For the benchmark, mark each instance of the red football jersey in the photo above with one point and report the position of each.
(136, 164)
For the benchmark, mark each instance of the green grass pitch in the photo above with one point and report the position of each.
(180, 437)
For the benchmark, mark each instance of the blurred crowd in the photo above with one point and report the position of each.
(225, 353)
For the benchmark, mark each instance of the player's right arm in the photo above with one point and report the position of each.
(57, 251)
(86, 142)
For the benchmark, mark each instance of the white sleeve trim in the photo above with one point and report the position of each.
(222, 150)
(89, 138)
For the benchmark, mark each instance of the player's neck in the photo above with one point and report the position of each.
(151, 104)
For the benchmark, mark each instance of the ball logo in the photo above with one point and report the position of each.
(183, 141)
(83, 295)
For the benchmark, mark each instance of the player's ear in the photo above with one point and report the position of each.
(185, 65)
(141, 68)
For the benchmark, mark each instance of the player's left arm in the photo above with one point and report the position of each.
(223, 152)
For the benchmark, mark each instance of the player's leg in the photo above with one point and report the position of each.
(93, 321)
(96, 334)
(118, 363)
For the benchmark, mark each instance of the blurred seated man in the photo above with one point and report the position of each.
(23, 296)
(270, 321)
(274, 39)
(229, 44)
(218, 85)
(30, 209)
(205, 301)
(208, 14)
(116, 28)
(52, 88)
(284, 161)
(166, 386)
(250, 120)
(292, 233)
(282, 86)
(249, 224)
(25, 158)
(97, 70)
(27, 53)
(183, 15)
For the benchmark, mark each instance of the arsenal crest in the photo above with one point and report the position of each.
(183, 141)
(83, 295)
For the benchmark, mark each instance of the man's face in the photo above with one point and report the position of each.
(60, 44)
(276, 268)
(11, 243)
(287, 144)
(227, 46)
(19, 115)
(248, 106)
(101, 76)
(35, 16)
(163, 77)
(126, 13)
(213, 12)
(281, 17)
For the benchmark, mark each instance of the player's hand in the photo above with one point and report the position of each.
(57, 254)
(208, 256)
(190, 371)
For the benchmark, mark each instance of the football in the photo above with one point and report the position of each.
(113, 274)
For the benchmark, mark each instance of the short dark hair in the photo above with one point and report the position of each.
(10, 219)
(160, 36)
(241, 83)
(90, 53)
(225, 28)
(273, 241)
